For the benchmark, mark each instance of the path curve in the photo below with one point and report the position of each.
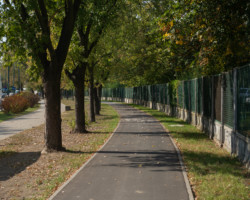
(139, 162)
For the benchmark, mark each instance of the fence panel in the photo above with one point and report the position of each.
(207, 92)
(199, 95)
(192, 95)
(161, 93)
(187, 95)
(167, 95)
(217, 97)
(157, 93)
(180, 95)
(228, 110)
(243, 100)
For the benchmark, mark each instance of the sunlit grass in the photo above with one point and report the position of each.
(213, 173)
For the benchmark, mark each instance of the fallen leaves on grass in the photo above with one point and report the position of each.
(27, 174)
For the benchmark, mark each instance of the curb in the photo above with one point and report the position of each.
(183, 167)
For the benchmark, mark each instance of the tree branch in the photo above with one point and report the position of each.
(69, 74)
(44, 23)
(71, 10)
(94, 43)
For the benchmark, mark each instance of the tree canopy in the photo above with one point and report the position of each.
(165, 40)
(137, 43)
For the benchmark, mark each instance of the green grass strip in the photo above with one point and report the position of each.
(105, 125)
(212, 172)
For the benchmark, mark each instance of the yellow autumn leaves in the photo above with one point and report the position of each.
(166, 28)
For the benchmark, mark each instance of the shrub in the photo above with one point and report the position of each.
(14, 104)
(32, 98)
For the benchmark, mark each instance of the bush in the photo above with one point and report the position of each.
(31, 98)
(14, 104)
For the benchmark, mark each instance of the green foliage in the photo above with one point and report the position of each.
(205, 37)
(173, 86)
(159, 41)
(72, 124)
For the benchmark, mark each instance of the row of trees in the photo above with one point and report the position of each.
(182, 40)
(54, 36)
(125, 42)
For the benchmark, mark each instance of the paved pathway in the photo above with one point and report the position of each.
(138, 163)
(24, 122)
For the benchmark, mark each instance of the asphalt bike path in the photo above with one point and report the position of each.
(18, 124)
(139, 162)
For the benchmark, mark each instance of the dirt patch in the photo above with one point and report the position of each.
(27, 174)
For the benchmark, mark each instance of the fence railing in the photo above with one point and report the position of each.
(218, 104)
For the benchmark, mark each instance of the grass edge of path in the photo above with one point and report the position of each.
(50, 171)
(96, 145)
(212, 172)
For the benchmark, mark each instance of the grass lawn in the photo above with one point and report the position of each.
(4, 116)
(212, 172)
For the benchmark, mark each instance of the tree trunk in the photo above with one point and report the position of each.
(53, 136)
(97, 110)
(99, 94)
(91, 95)
(79, 100)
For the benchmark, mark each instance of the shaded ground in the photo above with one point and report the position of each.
(26, 174)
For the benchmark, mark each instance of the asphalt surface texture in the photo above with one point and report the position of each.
(24, 122)
(139, 162)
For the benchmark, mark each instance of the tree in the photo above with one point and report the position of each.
(205, 37)
(44, 29)
(166, 40)
(138, 57)
(94, 17)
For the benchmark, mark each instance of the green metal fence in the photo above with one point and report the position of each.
(228, 109)
(243, 100)
(199, 95)
(217, 97)
(180, 97)
(187, 95)
(193, 95)
(207, 93)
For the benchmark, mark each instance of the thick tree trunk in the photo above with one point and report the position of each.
(79, 100)
(53, 135)
(91, 95)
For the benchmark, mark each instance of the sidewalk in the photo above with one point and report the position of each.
(139, 162)
(24, 122)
